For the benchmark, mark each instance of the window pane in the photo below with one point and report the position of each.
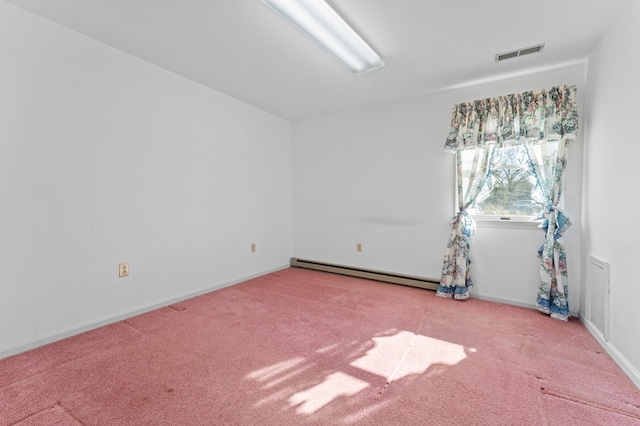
(511, 190)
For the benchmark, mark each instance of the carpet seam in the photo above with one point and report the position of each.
(57, 404)
(404, 355)
(70, 413)
(131, 326)
(62, 364)
(588, 403)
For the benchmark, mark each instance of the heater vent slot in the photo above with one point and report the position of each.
(597, 297)
(520, 52)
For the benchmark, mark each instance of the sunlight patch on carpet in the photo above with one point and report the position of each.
(334, 386)
(362, 414)
(328, 349)
(406, 353)
(393, 356)
(272, 371)
(291, 375)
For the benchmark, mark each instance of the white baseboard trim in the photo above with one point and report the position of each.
(511, 302)
(620, 359)
(501, 300)
(91, 325)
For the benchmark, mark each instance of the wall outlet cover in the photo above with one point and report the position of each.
(123, 270)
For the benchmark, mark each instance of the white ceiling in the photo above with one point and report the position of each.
(243, 49)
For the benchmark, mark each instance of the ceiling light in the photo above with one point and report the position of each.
(318, 21)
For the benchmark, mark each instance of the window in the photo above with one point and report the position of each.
(510, 190)
(500, 144)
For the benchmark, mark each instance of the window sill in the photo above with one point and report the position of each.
(523, 222)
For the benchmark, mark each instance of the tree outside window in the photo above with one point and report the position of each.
(510, 189)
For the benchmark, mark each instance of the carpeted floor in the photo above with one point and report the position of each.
(302, 347)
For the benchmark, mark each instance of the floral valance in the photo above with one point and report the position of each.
(518, 118)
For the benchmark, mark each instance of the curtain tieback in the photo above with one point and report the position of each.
(556, 218)
(464, 224)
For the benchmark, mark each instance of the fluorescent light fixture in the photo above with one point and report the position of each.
(318, 21)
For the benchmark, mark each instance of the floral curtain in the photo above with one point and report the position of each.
(547, 162)
(456, 268)
(545, 122)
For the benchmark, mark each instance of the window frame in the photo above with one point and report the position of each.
(497, 221)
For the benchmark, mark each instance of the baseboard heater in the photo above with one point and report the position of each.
(371, 274)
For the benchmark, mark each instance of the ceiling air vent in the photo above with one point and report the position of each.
(520, 52)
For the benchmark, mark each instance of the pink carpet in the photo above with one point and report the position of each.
(302, 347)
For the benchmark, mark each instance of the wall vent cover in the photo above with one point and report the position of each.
(520, 52)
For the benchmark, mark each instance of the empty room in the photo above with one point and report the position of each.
(278, 212)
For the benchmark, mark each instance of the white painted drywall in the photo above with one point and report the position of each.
(379, 176)
(611, 180)
(106, 159)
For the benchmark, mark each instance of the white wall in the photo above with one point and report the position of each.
(380, 176)
(611, 204)
(107, 159)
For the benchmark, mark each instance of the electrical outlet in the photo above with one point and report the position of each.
(123, 270)
(253, 247)
(359, 247)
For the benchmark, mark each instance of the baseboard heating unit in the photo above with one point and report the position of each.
(371, 274)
